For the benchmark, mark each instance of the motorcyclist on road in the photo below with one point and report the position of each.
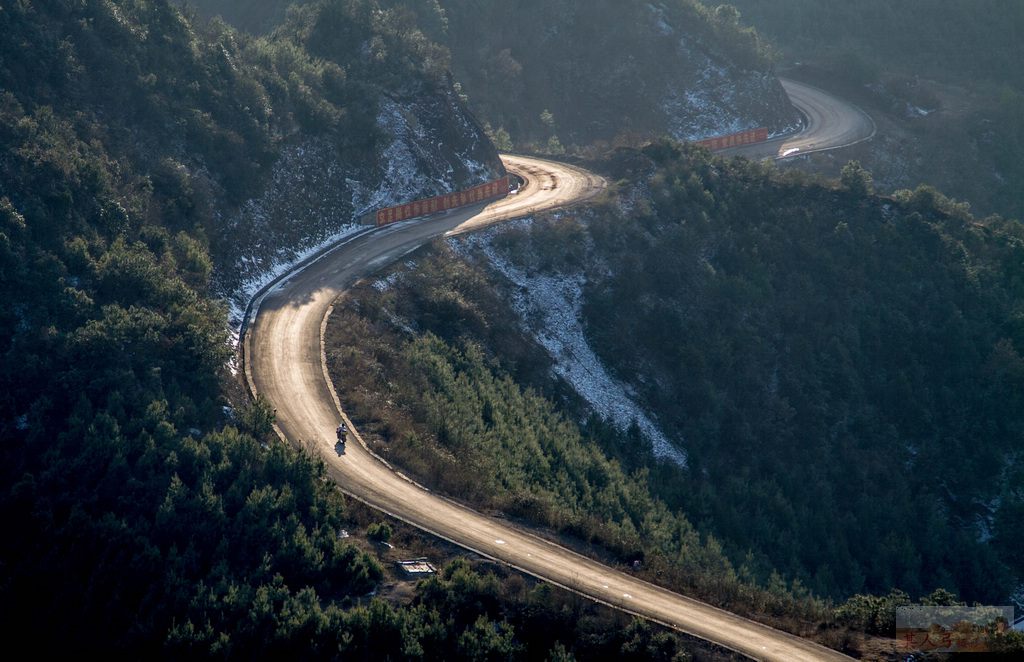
(342, 433)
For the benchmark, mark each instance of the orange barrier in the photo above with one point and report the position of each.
(735, 139)
(388, 215)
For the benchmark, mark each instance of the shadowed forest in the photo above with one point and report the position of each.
(844, 365)
(839, 364)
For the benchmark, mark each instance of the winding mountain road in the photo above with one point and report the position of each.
(829, 123)
(283, 359)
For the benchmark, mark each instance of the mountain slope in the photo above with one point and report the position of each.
(831, 362)
(594, 71)
(940, 77)
(794, 335)
(277, 144)
(601, 69)
(147, 516)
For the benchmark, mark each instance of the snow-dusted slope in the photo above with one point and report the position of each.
(316, 194)
(705, 94)
(549, 306)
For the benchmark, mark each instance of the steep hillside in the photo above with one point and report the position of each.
(941, 78)
(603, 70)
(581, 72)
(272, 145)
(388, 127)
(832, 363)
(150, 511)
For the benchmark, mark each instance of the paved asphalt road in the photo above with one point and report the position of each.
(283, 361)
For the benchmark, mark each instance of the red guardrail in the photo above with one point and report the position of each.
(388, 215)
(735, 139)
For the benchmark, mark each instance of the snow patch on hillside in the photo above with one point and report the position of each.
(550, 308)
(312, 204)
(711, 105)
(315, 198)
(660, 21)
(405, 151)
(420, 161)
(305, 206)
(719, 99)
(239, 301)
(1018, 601)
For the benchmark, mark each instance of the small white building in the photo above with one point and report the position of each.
(416, 568)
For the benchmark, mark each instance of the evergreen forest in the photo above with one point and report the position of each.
(839, 363)
(842, 366)
(149, 510)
